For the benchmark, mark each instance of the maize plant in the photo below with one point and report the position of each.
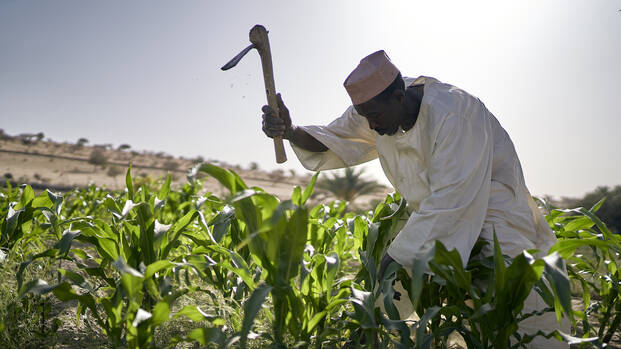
(247, 269)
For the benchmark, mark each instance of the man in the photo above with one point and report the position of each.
(444, 152)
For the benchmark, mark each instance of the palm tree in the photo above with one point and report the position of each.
(349, 185)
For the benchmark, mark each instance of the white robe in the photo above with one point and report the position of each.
(459, 172)
(457, 168)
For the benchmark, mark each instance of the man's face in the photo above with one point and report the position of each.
(384, 117)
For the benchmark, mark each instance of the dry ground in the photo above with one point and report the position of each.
(61, 166)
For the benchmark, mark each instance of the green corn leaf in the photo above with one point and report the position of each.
(43, 201)
(403, 329)
(571, 340)
(557, 277)
(193, 312)
(310, 188)
(228, 179)
(129, 205)
(64, 243)
(160, 314)
(597, 205)
(27, 196)
(65, 293)
(420, 267)
(520, 277)
(296, 196)
(388, 290)
(22, 266)
(11, 221)
(175, 232)
(140, 317)
(579, 223)
(156, 267)
(107, 248)
(132, 285)
(442, 256)
(222, 221)
(364, 304)
(600, 225)
(56, 199)
(499, 267)
(423, 341)
(251, 309)
(207, 335)
(243, 194)
(122, 267)
(38, 286)
(75, 279)
(163, 193)
(314, 321)
(332, 267)
(567, 247)
(290, 247)
(129, 183)
(159, 230)
(240, 267)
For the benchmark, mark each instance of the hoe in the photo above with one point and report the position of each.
(259, 40)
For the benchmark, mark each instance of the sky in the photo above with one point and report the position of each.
(147, 73)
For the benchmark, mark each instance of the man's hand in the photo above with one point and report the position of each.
(277, 126)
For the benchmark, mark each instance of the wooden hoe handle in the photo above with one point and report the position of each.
(258, 36)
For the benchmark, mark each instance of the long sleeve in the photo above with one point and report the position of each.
(459, 175)
(349, 139)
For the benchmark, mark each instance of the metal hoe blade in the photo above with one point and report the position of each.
(233, 62)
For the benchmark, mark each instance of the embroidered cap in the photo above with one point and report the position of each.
(374, 73)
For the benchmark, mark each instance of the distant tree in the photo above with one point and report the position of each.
(254, 166)
(97, 158)
(349, 185)
(81, 142)
(171, 165)
(27, 138)
(40, 136)
(277, 175)
(124, 147)
(114, 171)
(610, 212)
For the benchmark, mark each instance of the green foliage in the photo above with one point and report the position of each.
(250, 269)
(610, 210)
(592, 252)
(349, 185)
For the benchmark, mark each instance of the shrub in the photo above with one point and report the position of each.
(114, 171)
(97, 158)
(171, 165)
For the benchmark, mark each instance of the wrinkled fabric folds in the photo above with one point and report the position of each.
(457, 168)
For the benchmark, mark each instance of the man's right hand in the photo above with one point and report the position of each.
(277, 126)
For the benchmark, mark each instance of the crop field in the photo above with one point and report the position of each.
(161, 266)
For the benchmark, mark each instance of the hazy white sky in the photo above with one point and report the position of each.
(147, 73)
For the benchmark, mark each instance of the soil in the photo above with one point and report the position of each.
(63, 166)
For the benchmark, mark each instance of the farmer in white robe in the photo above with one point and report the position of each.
(445, 153)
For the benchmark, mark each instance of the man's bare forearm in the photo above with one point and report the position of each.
(302, 139)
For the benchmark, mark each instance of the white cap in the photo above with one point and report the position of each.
(374, 73)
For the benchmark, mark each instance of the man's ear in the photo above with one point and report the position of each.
(399, 94)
